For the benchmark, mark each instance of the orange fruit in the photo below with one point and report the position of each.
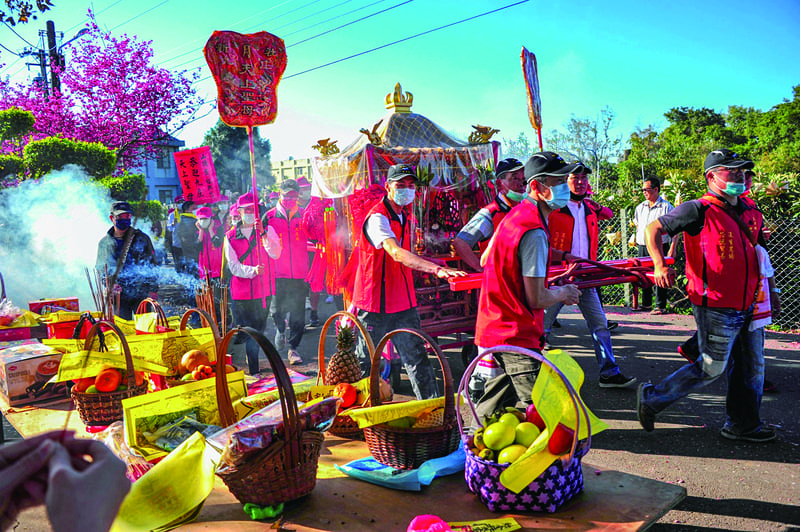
(108, 380)
(347, 392)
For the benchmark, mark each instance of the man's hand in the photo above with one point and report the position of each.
(664, 276)
(775, 304)
(259, 269)
(23, 466)
(446, 273)
(569, 294)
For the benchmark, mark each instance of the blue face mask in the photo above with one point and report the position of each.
(515, 196)
(122, 223)
(559, 196)
(404, 196)
(734, 189)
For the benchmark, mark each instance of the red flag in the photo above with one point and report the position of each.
(532, 83)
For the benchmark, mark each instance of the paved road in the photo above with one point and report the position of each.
(731, 486)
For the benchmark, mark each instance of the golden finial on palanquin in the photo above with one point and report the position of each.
(482, 134)
(399, 101)
(326, 147)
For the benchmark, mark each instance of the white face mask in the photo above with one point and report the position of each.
(248, 219)
(205, 223)
(404, 196)
(559, 196)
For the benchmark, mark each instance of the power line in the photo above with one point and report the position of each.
(17, 34)
(139, 15)
(404, 39)
(9, 50)
(98, 13)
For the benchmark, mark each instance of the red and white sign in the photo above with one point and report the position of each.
(197, 175)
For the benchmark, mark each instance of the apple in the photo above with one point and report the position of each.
(499, 435)
(526, 433)
(509, 419)
(532, 415)
(511, 453)
(561, 440)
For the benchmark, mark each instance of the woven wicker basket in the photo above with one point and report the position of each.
(106, 408)
(287, 469)
(409, 448)
(162, 324)
(343, 425)
(206, 321)
(555, 486)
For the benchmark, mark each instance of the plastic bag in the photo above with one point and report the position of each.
(170, 436)
(8, 312)
(114, 438)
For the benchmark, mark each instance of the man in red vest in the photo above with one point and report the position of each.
(514, 292)
(722, 269)
(384, 287)
(574, 232)
(291, 269)
(510, 183)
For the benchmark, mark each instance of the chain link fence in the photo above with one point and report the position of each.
(783, 246)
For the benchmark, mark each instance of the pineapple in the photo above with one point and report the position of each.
(344, 366)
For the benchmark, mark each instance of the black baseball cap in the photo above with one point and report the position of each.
(289, 184)
(119, 207)
(546, 163)
(577, 167)
(727, 159)
(508, 165)
(399, 171)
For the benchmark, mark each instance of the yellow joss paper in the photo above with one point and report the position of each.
(172, 492)
(554, 404)
(486, 525)
(375, 415)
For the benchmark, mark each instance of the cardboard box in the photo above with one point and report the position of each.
(24, 371)
(46, 306)
(16, 333)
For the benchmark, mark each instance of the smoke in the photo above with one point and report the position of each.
(49, 231)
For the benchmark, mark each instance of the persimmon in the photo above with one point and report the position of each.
(108, 380)
(347, 392)
(81, 385)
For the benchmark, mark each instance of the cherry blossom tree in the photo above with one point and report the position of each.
(112, 93)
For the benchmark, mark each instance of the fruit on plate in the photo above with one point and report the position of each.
(561, 440)
(347, 392)
(108, 380)
(510, 453)
(430, 418)
(343, 365)
(526, 433)
(532, 415)
(192, 359)
(499, 435)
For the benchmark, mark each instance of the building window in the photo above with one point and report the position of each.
(165, 196)
(164, 159)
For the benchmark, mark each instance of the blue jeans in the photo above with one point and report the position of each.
(411, 348)
(251, 313)
(717, 330)
(595, 317)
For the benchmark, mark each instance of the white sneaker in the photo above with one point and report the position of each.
(294, 357)
(308, 304)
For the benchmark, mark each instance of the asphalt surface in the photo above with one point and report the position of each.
(730, 485)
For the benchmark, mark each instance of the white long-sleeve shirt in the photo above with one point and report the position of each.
(271, 243)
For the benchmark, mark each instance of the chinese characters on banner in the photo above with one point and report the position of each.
(197, 174)
(247, 69)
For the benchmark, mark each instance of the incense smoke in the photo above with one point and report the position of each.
(49, 231)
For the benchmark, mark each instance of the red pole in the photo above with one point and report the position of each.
(539, 133)
(255, 192)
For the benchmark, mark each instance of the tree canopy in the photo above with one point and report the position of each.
(231, 153)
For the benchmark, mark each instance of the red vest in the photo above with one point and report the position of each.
(383, 284)
(259, 286)
(562, 224)
(721, 261)
(293, 262)
(498, 211)
(210, 256)
(503, 313)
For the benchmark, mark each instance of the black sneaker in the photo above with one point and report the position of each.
(313, 320)
(647, 419)
(770, 387)
(617, 381)
(612, 325)
(761, 435)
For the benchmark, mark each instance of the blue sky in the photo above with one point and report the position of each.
(639, 58)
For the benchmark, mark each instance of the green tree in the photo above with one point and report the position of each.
(11, 166)
(231, 154)
(778, 135)
(53, 153)
(125, 187)
(519, 148)
(15, 123)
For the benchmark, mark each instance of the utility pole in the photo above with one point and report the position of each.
(55, 57)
